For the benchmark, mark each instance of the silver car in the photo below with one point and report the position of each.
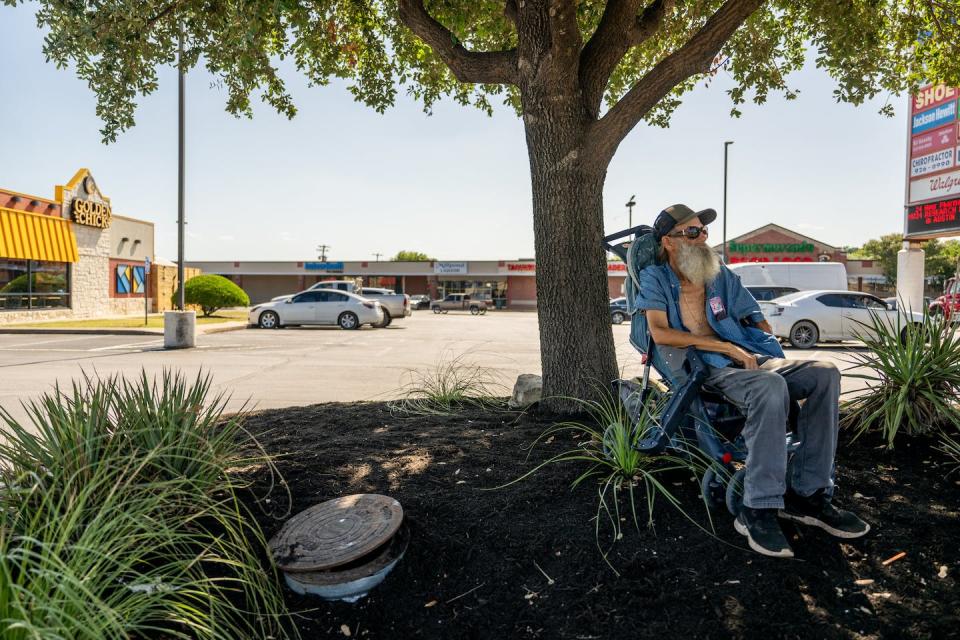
(319, 306)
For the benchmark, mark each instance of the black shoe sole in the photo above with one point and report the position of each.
(742, 530)
(814, 522)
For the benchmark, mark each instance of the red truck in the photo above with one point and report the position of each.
(949, 303)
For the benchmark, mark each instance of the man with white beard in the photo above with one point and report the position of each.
(692, 300)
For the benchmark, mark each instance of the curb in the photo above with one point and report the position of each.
(106, 331)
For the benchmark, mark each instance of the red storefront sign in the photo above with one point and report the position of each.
(934, 140)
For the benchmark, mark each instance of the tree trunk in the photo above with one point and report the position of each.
(576, 340)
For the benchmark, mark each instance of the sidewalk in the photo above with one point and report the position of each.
(201, 329)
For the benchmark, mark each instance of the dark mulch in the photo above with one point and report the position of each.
(676, 581)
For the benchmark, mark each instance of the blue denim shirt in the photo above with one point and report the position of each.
(659, 289)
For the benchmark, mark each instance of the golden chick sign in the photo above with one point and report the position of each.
(90, 213)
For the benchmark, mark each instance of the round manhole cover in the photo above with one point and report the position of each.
(336, 532)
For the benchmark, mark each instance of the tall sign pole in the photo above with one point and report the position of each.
(726, 145)
(181, 295)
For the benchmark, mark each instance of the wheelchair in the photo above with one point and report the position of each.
(692, 416)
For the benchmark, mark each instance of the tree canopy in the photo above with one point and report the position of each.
(644, 55)
(411, 256)
(940, 260)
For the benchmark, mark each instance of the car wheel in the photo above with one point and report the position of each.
(436, 309)
(386, 320)
(483, 311)
(617, 317)
(474, 310)
(445, 311)
(804, 335)
(269, 320)
(348, 320)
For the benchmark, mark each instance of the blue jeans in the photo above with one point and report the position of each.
(764, 396)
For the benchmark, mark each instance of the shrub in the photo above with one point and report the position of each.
(913, 378)
(211, 292)
(452, 385)
(607, 447)
(118, 518)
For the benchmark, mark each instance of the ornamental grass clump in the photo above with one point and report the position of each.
(913, 378)
(607, 442)
(454, 384)
(118, 518)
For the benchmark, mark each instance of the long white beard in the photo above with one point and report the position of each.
(698, 263)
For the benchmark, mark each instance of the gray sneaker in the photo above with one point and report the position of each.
(763, 532)
(818, 511)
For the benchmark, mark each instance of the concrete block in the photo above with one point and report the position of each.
(179, 329)
(527, 390)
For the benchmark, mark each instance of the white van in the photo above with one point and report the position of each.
(799, 276)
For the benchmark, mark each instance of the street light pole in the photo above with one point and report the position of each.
(181, 302)
(630, 203)
(726, 145)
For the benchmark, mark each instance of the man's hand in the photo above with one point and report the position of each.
(741, 357)
(764, 326)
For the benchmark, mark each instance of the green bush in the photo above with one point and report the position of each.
(39, 281)
(119, 518)
(212, 292)
(913, 378)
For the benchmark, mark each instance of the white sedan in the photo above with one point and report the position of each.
(320, 306)
(808, 317)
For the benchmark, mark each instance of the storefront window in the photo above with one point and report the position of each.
(30, 284)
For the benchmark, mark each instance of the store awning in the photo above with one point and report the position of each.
(31, 236)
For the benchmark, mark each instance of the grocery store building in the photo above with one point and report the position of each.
(70, 256)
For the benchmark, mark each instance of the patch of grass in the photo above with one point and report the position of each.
(118, 517)
(607, 448)
(454, 384)
(154, 321)
(913, 379)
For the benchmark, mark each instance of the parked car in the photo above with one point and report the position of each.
(948, 304)
(808, 317)
(395, 305)
(764, 293)
(459, 302)
(420, 301)
(319, 306)
(618, 310)
(802, 276)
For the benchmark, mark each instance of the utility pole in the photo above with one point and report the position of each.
(322, 250)
(630, 204)
(726, 145)
(181, 303)
(377, 256)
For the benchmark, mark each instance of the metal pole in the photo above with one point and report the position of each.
(180, 298)
(630, 203)
(726, 145)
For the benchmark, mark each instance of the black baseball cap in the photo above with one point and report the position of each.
(678, 214)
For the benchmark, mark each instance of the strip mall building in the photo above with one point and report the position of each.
(70, 256)
(512, 283)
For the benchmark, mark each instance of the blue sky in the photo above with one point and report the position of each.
(454, 185)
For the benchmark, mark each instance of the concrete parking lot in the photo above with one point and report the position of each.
(304, 366)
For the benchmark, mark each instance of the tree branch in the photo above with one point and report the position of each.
(692, 58)
(620, 29)
(495, 67)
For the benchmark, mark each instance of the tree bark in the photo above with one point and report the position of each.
(576, 340)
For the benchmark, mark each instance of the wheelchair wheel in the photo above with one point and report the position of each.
(734, 494)
(712, 489)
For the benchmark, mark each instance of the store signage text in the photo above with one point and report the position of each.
(449, 267)
(934, 117)
(735, 259)
(521, 266)
(934, 140)
(801, 247)
(90, 213)
(929, 163)
(934, 217)
(933, 95)
(323, 266)
(945, 184)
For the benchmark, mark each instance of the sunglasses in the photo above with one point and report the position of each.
(691, 233)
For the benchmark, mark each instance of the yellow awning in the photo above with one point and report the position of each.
(31, 236)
